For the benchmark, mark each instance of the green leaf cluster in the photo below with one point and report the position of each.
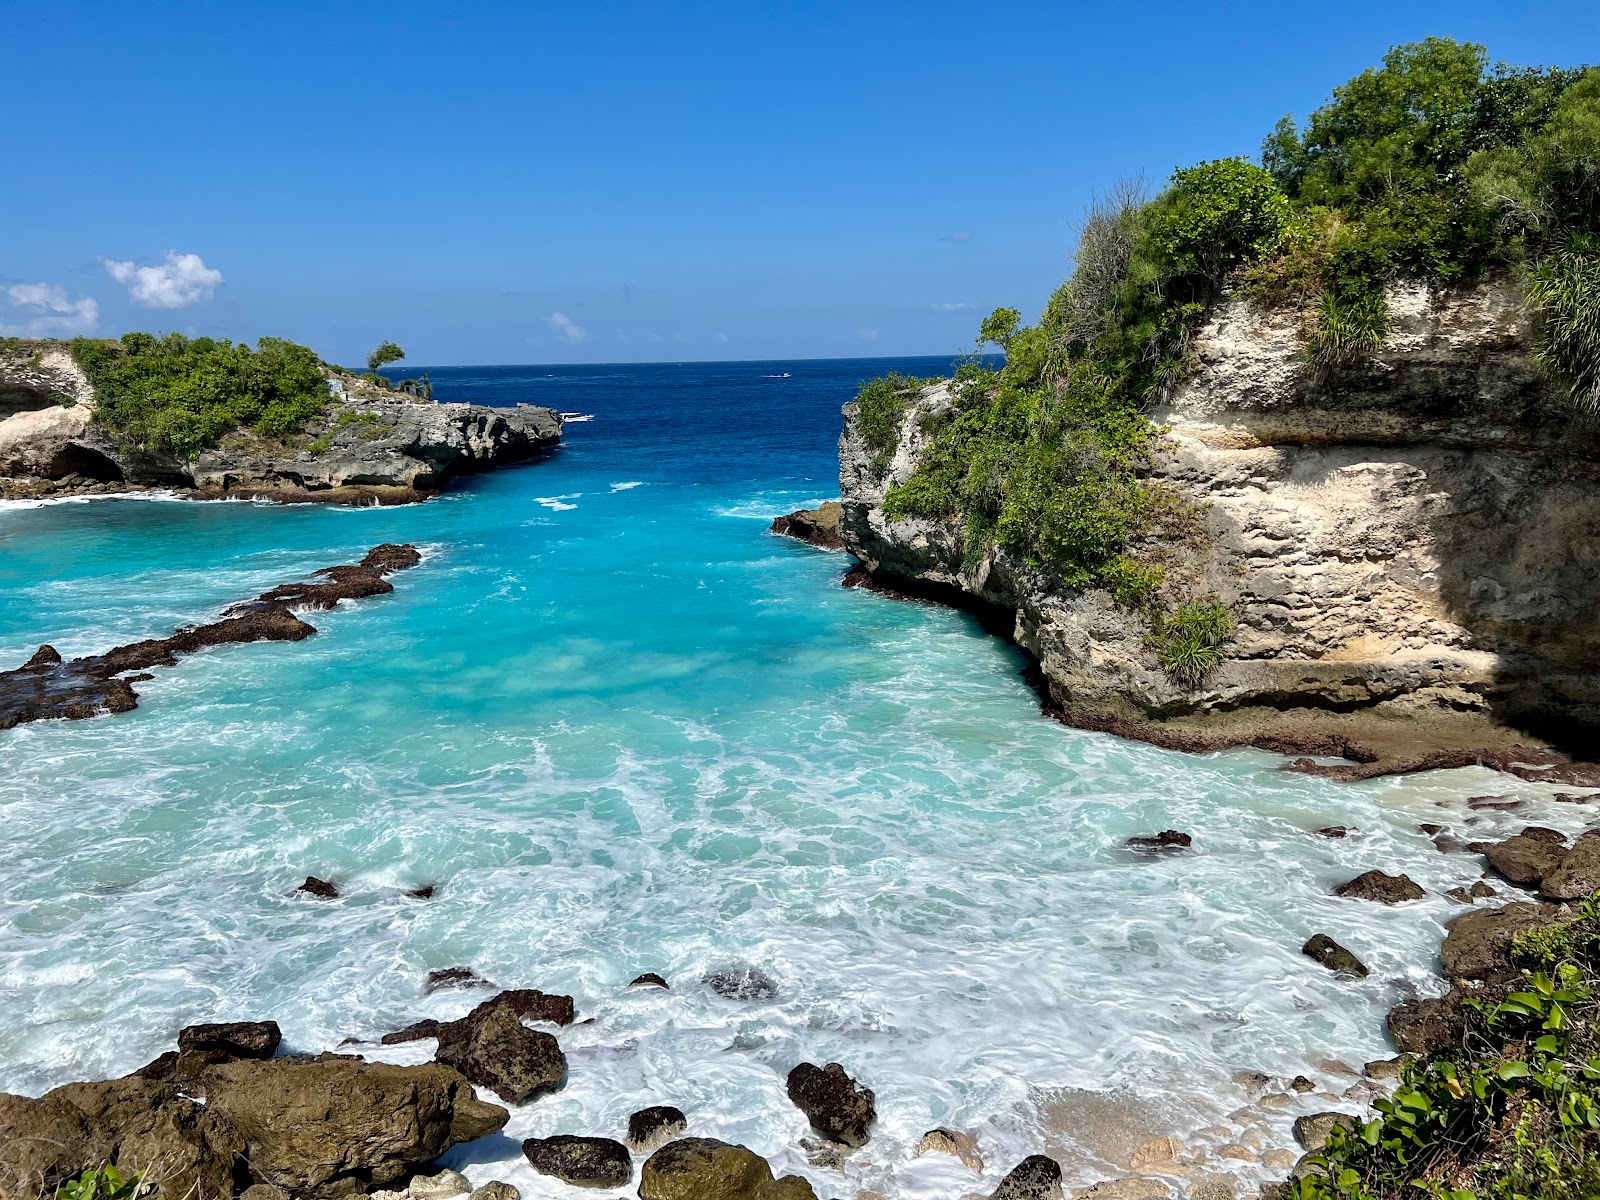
(1512, 1113)
(880, 408)
(103, 1183)
(1189, 640)
(183, 395)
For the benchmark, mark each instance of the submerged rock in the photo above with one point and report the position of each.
(741, 981)
(836, 1105)
(649, 979)
(320, 888)
(650, 1128)
(453, 977)
(1034, 1178)
(706, 1169)
(581, 1161)
(1335, 957)
(1385, 889)
(1166, 840)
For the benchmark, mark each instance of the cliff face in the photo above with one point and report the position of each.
(1409, 546)
(370, 445)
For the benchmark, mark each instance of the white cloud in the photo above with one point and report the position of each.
(868, 334)
(951, 308)
(720, 336)
(181, 280)
(49, 312)
(956, 237)
(566, 327)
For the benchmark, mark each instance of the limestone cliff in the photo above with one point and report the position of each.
(370, 445)
(1409, 546)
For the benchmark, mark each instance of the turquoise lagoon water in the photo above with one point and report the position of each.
(623, 729)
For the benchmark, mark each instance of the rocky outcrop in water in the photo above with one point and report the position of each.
(315, 1127)
(706, 1169)
(46, 687)
(1408, 545)
(370, 446)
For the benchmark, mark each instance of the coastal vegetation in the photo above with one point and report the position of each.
(1510, 1112)
(1434, 166)
(183, 395)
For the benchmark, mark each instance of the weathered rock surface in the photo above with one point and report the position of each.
(1475, 943)
(1034, 1178)
(1425, 1026)
(650, 979)
(952, 1141)
(1385, 889)
(1523, 859)
(1167, 840)
(1312, 1131)
(370, 445)
(1405, 544)
(46, 688)
(650, 1128)
(237, 1039)
(741, 981)
(497, 1051)
(442, 1186)
(1335, 957)
(706, 1169)
(837, 1106)
(1577, 875)
(581, 1161)
(819, 526)
(311, 1127)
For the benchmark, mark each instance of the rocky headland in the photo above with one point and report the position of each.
(1408, 545)
(370, 445)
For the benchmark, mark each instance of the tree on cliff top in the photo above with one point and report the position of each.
(387, 352)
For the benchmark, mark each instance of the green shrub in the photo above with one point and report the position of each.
(183, 395)
(880, 408)
(103, 1183)
(1349, 327)
(1214, 214)
(1189, 641)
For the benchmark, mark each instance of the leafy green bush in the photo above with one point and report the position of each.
(1565, 292)
(1214, 214)
(1511, 1113)
(183, 395)
(881, 406)
(1189, 641)
(103, 1183)
(1349, 326)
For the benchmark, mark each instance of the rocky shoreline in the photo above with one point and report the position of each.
(46, 687)
(370, 446)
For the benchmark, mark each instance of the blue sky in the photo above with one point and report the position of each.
(614, 182)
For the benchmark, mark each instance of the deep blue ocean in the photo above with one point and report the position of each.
(623, 728)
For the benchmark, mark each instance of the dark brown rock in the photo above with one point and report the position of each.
(415, 1032)
(649, 979)
(706, 1169)
(236, 1039)
(1429, 1026)
(1429, 828)
(1577, 875)
(818, 526)
(453, 977)
(425, 892)
(1312, 1131)
(652, 1127)
(581, 1161)
(1323, 949)
(1475, 943)
(1034, 1178)
(1385, 889)
(1166, 840)
(837, 1106)
(336, 1126)
(46, 688)
(499, 1052)
(1332, 831)
(319, 888)
(1523, 859)
(1543, 833)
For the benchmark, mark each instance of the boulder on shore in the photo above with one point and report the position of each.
(650, 1128)
(818, 526)
(706, 1169)
(1475, 943)
(1577, 875)
(502, 1054)
(593, 1162)
(1034, 1178)
(836, 1105)
(1523, 859)
(317, 1128)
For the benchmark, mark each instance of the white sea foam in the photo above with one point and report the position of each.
(558, 503)
(627, 485)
